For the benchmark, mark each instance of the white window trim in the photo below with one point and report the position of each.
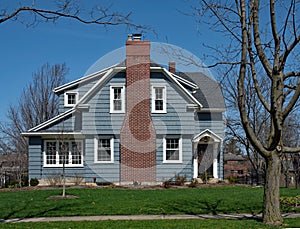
(153, 110)
(122, 86)
(66, 98)
(57, 165)
(165, 152)
(96, 140)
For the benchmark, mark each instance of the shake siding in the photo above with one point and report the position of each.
(64, 126)
(35, 158)
(99, 121)
(104, 172)
(177, 121)
(165, 171)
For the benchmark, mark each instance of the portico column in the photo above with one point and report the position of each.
(195, 161)
(195, 168)
(215, 160)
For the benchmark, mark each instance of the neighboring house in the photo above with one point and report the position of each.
(235, 165)
(9, 169)
(132, 122)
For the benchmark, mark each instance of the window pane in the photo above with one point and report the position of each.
(50, 153)
(158, 93)
(159, 98)
(117, 93)
(117, 105)
(159, 105)
(71, 98)
(104, 150)
(172, 149)
(76, 153)
(172, 154)
(117, 100)
(63, 152)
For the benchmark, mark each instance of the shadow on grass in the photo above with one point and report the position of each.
(26, 212)
(213, 209)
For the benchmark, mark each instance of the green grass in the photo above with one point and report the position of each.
(103, 201)
(194, 223)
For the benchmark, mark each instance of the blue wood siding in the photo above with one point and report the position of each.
(177, 121)
(35, 158)
(104, 172)
(98, 119)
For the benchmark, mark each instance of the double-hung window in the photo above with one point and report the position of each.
(159, 99)
(104, 150)
(172, 150)
(70, 99)
(57, 153)
(117, 98)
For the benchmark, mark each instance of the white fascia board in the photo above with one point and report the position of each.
(50, 121)
(186, 82)
(78, 104)
(28, 134)
(82, 80)
(86, 96)
(209, 133)
(212, 110)
(182, 88)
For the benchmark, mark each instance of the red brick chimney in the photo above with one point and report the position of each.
(138, 138)
(172, 67)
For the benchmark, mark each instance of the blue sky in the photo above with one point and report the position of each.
(24, 50)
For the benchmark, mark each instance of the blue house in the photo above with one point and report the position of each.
(132, 122)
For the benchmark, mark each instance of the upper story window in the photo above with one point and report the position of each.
(58, 152)
(104, 150)
(172, 150)
(71, 99)
(159, 98)
(117, 99)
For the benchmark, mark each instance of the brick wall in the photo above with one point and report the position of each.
(138, 147)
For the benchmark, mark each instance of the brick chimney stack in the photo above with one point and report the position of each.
(172, 67)
(138, 138)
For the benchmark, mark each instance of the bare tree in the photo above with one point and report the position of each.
(36, 104)
(261, 36)
(33, 14)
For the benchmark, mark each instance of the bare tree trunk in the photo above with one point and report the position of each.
(271, 208)
(64, 178)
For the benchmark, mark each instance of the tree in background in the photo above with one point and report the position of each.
(262, 39)
(36, 104)
(81, 11)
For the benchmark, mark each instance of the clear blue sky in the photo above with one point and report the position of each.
(24, 50)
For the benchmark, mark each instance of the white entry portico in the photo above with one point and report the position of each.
(206, 148)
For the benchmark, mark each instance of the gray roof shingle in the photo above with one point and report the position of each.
(209, 93)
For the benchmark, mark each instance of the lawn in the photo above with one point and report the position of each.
(114, 201)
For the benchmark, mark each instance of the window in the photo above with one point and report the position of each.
(172, 150)
(117, 99)
(104, 150)
(70, 99)
(57, 152)
(159, 99)
(50, 153)
(240, 172)
(76, 153)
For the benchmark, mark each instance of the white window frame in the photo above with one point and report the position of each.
(165, 150)
(96, 141)
(66, 101)
(67, 165)
(112, 86)
(153, 87)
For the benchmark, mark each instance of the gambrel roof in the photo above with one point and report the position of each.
(203, 92)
